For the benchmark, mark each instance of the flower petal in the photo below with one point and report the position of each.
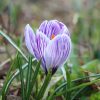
(53, 27)
(43, 26)
(41, 43)
(35, 43)
(64, 29)
(57, 51)
(29, 35)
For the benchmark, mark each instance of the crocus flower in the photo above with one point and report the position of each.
(51, 44)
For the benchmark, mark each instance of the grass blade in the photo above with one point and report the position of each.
(72, 89)
(77, 93)
(83, 85)
(34, 78)
(21, 77)
(28, 78)
(11, 78)
(44, 86)
(13, 44)
(79, 86)
(68, 95)
(65, 83)
(9, 74)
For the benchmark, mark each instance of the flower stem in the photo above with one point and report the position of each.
(68, 86)
(44, 86)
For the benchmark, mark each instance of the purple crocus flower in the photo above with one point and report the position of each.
(51, 44)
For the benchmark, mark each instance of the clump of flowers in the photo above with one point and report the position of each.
(51, 44)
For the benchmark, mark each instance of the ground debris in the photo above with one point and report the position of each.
(12, 97)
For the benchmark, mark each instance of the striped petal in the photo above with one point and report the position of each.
(41, 43)
(64, 29)
(57, 52)
(53, 28)
(29, 35)
(35, 43)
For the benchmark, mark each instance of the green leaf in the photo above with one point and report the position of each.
(68, 95)
(12, 77)
(78, 87)
(14, 62)
(77, 93)
(44, 86)
(65, 83)
(13, 44)
(21, 76)
(52, 83)
(83, 85)
(33, 80)
(28, 78)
